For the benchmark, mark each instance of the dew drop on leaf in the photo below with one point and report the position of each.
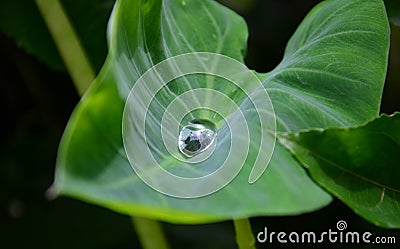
(196, 137)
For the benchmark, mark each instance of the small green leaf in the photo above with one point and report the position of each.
(359, 165)
(322, 74)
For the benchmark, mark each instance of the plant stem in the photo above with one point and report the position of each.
(67, 42)
(82, 74)
(150, 233)
(244, 235)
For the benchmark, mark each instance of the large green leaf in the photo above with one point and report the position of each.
(334, 67)
(358, 165)
(321, 75)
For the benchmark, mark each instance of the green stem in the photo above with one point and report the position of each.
(244, 235)
(67, 42)
(82, 74)
(150, 233)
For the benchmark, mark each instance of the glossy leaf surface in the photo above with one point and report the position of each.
(358, 165)
(336, 59)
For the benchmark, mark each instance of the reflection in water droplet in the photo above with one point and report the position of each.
(196, 137)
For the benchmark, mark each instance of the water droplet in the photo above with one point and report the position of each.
(196, 137)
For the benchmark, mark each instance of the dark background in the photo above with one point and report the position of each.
(37, 98)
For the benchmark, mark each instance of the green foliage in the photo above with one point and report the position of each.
(89, 19)
(336, 59)
(21, 20)
(334, 67)
(393, 10)
(358, 165)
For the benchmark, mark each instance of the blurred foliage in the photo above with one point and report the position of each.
(21, 19)
(37, 102)
(393, 10)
